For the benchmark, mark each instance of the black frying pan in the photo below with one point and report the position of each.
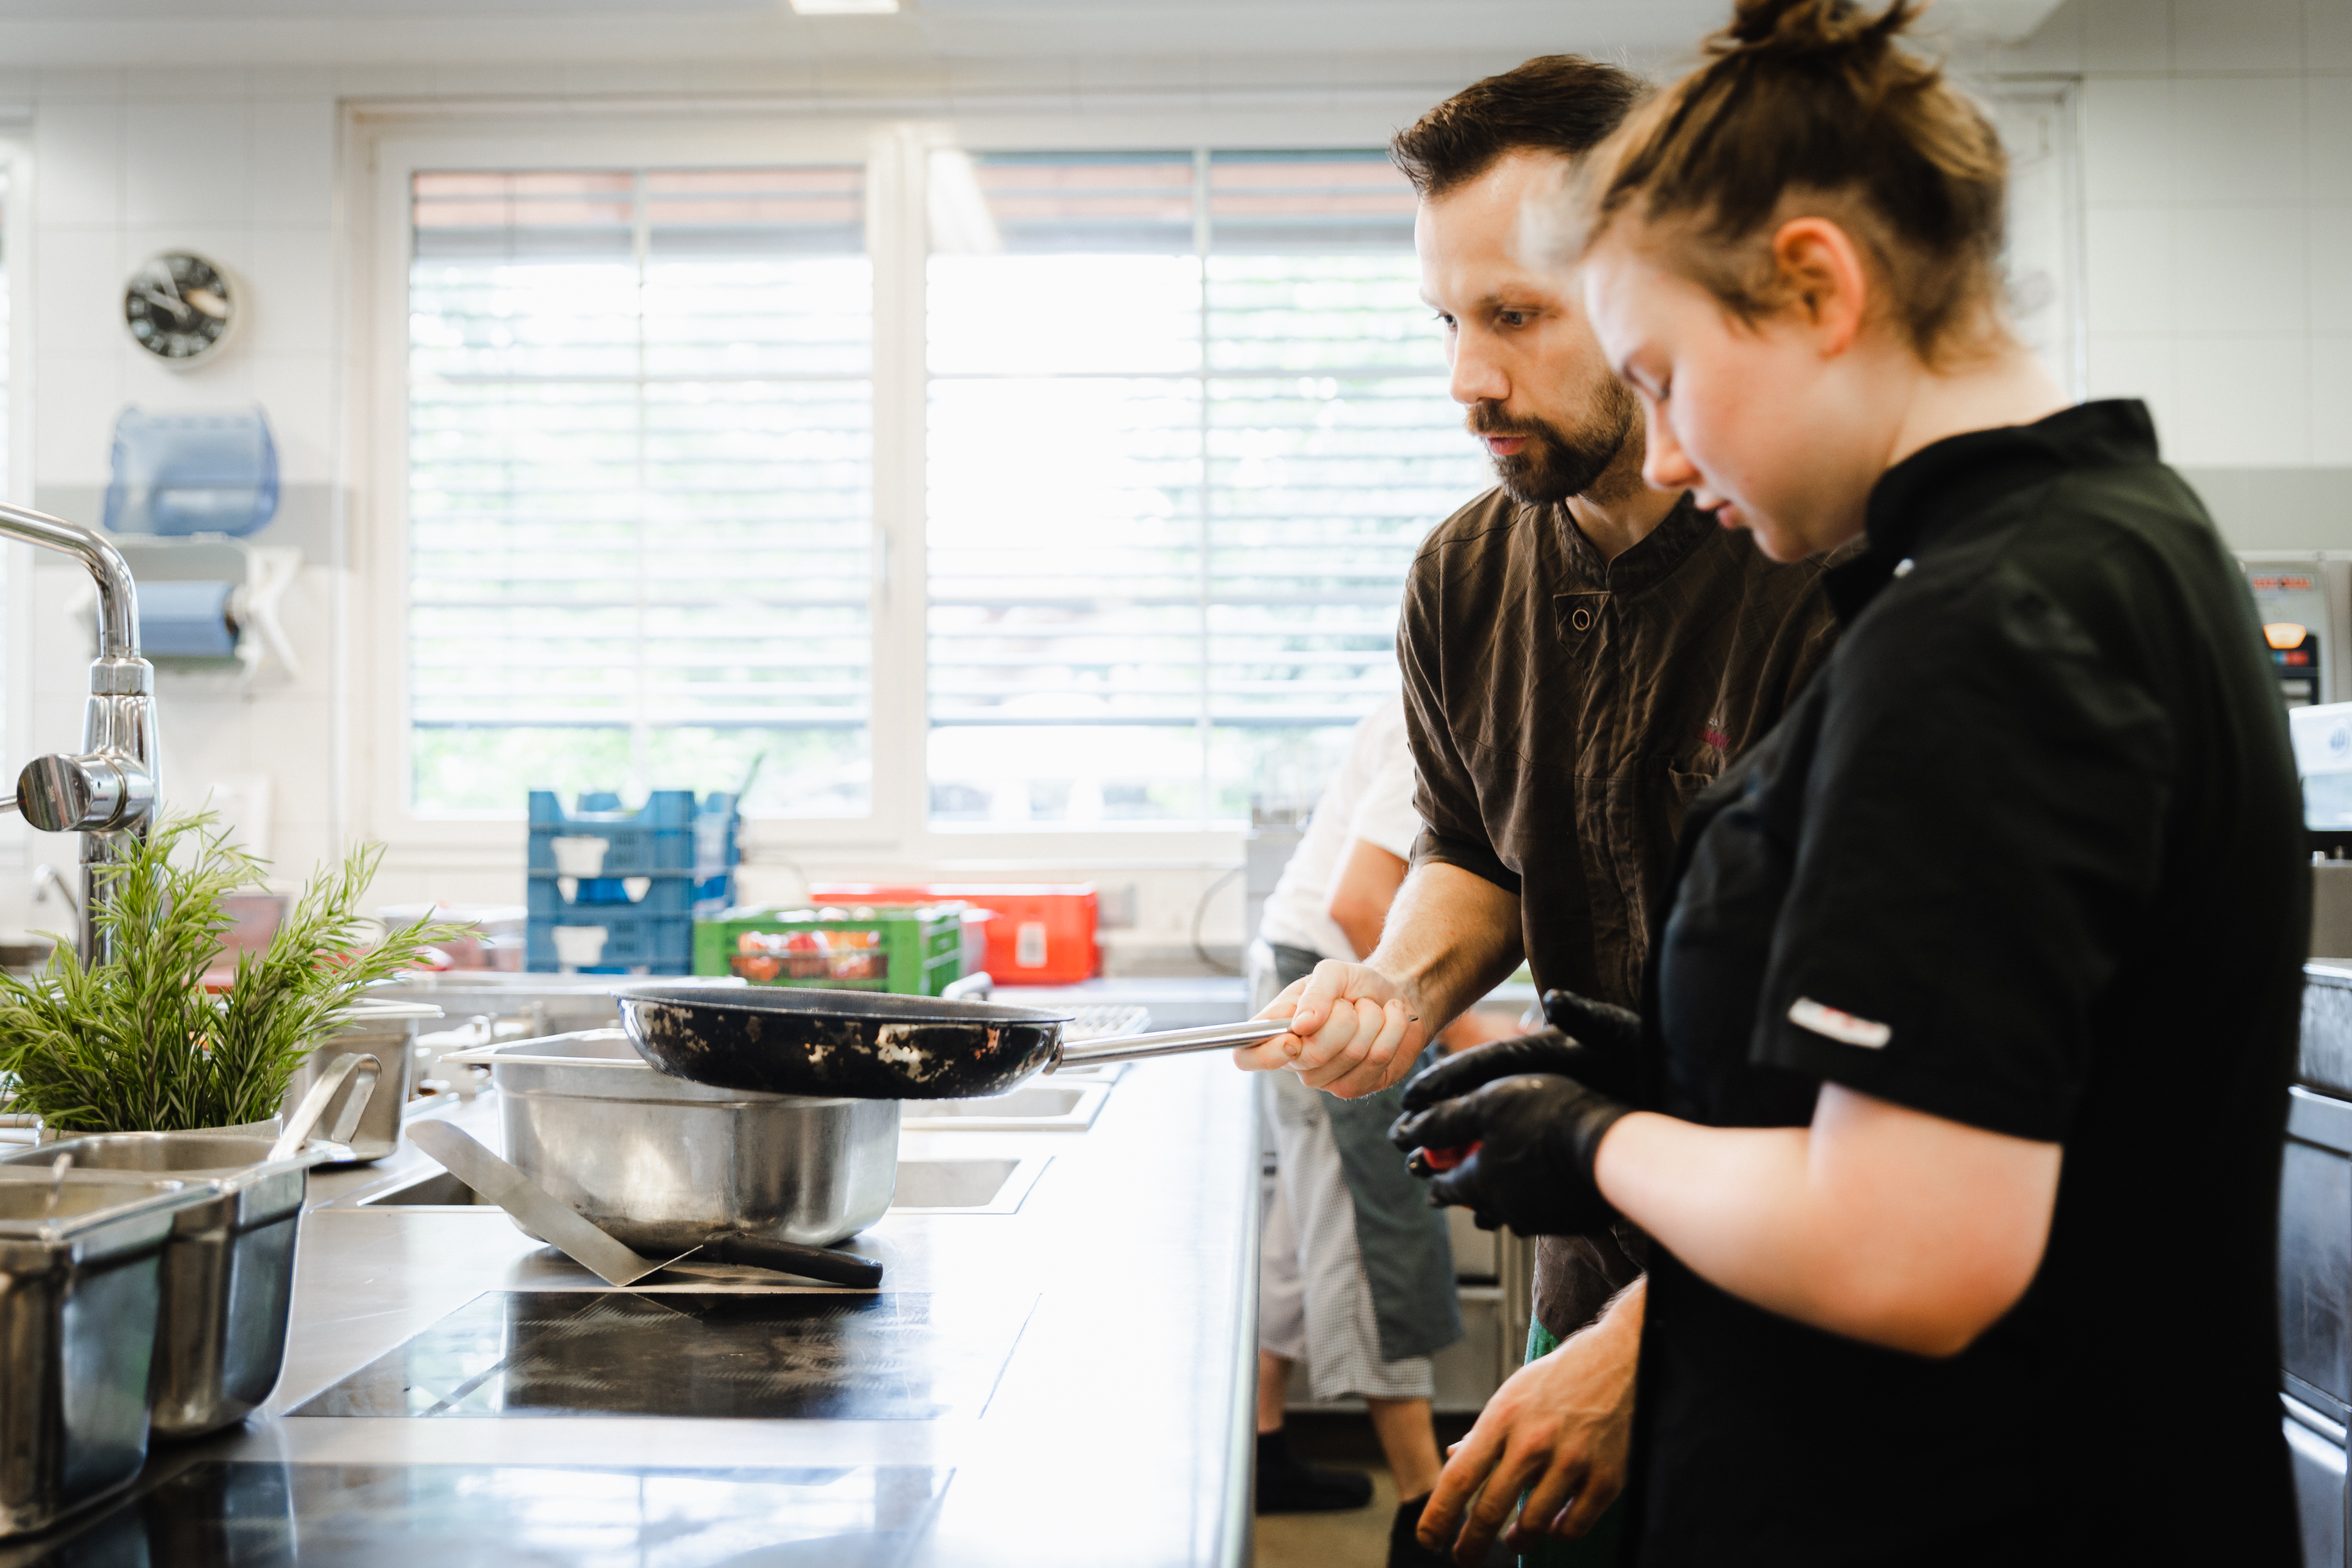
(870, 1045)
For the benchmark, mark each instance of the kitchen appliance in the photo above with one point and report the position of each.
(663, 1164)
(878, 1047)
(2304, 600)
(228, 1272)
(83, 1258)
(2315, 1281)
(714, 1356)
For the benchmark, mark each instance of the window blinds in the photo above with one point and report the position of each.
(1187, 423)
(639, 510)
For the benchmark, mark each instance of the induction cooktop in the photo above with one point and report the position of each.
(233, 1514)
(814, 1355)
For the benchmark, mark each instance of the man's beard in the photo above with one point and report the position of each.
(1555, 464)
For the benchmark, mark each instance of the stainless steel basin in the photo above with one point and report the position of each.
(81, 1269)
(661, 1163)
(228, 1274)
(1032, 1107)
(387, 1031)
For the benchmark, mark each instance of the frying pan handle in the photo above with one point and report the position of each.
(1168, 1043)
(791, 1257)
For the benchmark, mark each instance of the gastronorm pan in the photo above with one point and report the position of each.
(81, 1264)
(228, 1273)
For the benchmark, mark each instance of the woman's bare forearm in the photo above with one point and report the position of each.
(1452, 936)
(1877, 1222)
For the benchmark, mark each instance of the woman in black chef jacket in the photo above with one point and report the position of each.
(1957, 1120)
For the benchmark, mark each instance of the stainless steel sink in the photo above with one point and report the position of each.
(1034, 1108)
(925, 1186)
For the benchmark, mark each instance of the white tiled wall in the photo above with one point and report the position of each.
(127, 164)
(2216, 161)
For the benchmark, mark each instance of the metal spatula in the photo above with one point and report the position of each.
(555, 1222)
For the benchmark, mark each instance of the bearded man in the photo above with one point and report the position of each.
(1581, 654)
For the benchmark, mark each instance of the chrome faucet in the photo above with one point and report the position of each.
(107, 792)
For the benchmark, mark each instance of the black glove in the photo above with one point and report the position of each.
(1548, 1051)
(1530, 1143)
(1617, 1031)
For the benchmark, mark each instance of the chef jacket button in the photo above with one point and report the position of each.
(1582, 620)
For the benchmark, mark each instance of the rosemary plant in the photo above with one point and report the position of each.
(137, 1044)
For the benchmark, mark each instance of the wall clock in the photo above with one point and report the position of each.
(180, 307)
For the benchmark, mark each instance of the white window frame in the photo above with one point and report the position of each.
(389, 145)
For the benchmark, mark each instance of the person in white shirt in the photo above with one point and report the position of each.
(1356, 1273)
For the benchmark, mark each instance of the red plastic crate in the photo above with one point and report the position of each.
(1039, 933)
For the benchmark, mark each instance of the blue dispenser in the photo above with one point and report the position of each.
(178, 474)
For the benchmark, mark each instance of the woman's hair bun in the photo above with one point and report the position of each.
(1793, 28)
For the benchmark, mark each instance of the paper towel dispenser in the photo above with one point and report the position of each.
(210, 604)
(178, 474)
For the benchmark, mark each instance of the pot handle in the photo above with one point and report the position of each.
(791, 1257)
(1167, 1043)
(300, 1126)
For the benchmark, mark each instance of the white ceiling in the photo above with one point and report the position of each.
(169, 33)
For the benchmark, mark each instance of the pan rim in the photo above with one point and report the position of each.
(899, 1008)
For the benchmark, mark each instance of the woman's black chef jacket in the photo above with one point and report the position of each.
(2027, 854)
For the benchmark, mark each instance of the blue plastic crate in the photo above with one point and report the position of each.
(634, 940)
(596, 897)
(660, 835)
(685, 849)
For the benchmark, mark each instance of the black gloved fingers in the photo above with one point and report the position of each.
(1448, 1124)
(1548, 1050)
(1458, 1187)
(1599, 1025)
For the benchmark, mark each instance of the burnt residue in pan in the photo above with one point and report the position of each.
(864, 1053)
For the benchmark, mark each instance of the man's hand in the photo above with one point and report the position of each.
(1353, 1032)
(1557, 1430)
(1518, 1151)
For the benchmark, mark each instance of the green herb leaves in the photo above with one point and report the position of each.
(137, 1044)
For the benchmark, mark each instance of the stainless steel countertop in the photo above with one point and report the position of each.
(1121, 1428)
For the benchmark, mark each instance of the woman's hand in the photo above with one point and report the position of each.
(1546, 1051)
(1558, 1430)
(1516, 1151)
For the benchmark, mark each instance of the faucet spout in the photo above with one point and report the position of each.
(118, 596)
(108, 792)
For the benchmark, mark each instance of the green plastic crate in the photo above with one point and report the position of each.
(916, 950)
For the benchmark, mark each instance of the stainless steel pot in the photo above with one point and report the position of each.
(228, 1274)
(386, 1031)
(658, 1162)
(81, 1265)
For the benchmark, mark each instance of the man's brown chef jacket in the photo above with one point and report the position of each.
(1563, 710)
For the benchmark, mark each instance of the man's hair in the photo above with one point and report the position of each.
(1553, 103)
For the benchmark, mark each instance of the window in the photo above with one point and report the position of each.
(1157, 435)
(1188, 422)
(640, 406)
